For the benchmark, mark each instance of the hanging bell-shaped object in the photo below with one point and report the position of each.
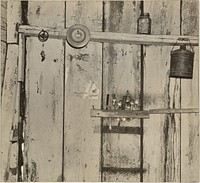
(181, 65)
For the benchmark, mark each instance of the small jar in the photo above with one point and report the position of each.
(144, 24)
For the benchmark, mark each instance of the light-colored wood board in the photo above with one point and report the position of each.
(138, 113)
(190, 98)
(114, 37)
(83, 77)
(44, 97)
(9, 117)
(13, 18)
(161, 132)
(44, 118)
(121, 72)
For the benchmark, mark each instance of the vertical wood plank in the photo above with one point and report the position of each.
(3, 21)
(8, 160)
(3, 39)
(83, 90)
(121, 72)
(190, 98)
(161, 132)
(3, 61)
(14, 18)
(44, 96)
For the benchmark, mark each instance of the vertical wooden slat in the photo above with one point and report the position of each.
(3, 39)
(14, 18)
(3, 21)
(8, 161)
(44, 96)
(83, 90)
(121, 72)
(190, 98)
(161, 132)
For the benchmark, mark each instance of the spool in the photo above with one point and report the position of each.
(78, 36)
(181, 64)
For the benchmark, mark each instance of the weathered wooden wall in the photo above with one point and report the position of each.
(62, 141)
(9, 61)
(3, 38)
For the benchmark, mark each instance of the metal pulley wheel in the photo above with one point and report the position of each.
(78, 36)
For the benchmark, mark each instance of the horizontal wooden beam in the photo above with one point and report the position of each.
(123, 170)
(122, 130)
(119, 114)
(138, 114)
(113, 37)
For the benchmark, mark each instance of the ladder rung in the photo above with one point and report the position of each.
(124, 170)
(122, 130)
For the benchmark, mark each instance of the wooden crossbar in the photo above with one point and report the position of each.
(113, 37)
(138, 114)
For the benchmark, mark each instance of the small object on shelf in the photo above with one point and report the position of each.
(144, 24)
(181, 64)
(78, 36)
(114, 101)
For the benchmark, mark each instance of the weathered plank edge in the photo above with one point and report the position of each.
(113, 37)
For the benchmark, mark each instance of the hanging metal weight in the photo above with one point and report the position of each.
(181, 65)
(78, 36)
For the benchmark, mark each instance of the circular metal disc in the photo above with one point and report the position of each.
(78, 36)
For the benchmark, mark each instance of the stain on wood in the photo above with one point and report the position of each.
(163, 161)
(190, 98)
(121, 72)
(83, 72)
(44, 97)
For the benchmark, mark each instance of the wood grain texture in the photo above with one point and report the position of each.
(161, 132)
(121, 72)
(190, 98)
(14, 18)
(83, 74)
(44, 96)
(8, 160)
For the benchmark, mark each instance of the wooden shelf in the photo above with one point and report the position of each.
(119, 114)
(138, 114)
(113, 37)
